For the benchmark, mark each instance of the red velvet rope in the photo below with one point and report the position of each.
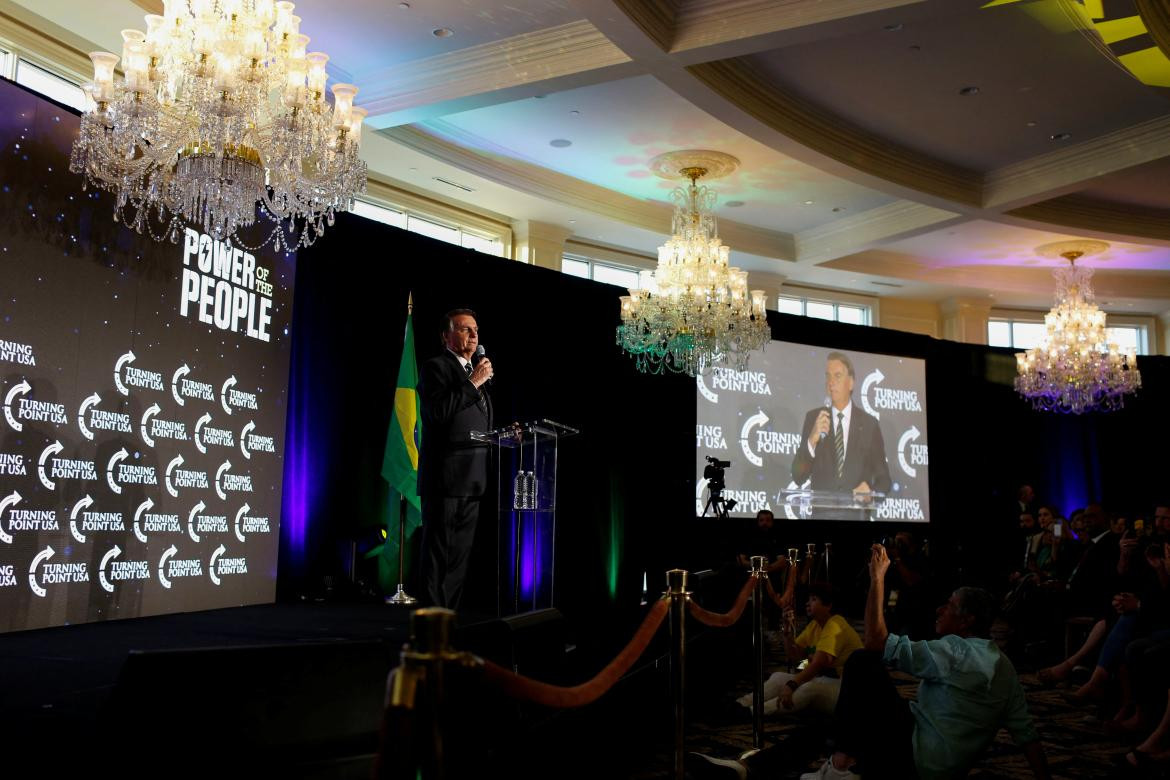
(519, 687)
(727, 618)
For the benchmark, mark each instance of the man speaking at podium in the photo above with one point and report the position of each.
(452, 467)
(841, 447)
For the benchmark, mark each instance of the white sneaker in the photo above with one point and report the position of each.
(830, 772)
(719, 767)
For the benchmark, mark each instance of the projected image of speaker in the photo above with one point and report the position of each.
(816, 433)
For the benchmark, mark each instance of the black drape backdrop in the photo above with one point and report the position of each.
(626, 493)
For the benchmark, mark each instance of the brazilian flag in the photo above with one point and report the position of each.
(400, 463)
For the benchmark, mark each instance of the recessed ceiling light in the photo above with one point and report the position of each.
(404, 6)
(572, 222)
(575, 112)
(966, 91)
(1060, 136)
(442, 32)
(838, 208)
(1029, 123)
(733, 204)
(893, 27)
(560, 143)
(809, 202)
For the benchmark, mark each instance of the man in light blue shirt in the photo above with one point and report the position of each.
(968, 691)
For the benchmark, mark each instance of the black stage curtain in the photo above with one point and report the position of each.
(626, 498)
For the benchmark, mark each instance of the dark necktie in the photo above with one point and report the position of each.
(839, 443)
(467, 368)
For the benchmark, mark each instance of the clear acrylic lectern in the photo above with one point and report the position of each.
(526, 462)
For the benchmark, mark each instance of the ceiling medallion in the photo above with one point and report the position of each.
(221, 108)
(1075, 369)
(694, 311)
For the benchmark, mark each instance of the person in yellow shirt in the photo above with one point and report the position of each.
(826, 642)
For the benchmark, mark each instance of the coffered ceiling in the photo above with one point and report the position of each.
(927, 143)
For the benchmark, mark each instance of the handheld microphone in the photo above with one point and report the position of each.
(480, 354)
(828, 404)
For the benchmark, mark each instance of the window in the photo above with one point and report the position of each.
(821, 309)
(432, 229)
(1027, 332)
(48, 84)
(576, 267)
(428, 227)
(1128, 337)
(598, 271)
(379, 213)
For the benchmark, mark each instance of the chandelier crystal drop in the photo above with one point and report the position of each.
(695, 310)
(221, 107)
(1075, 369)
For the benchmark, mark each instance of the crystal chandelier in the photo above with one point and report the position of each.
(695, 310)
(220, 108)
(1074, 368)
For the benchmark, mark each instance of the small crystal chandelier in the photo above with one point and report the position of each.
(220, 108)
(694, 311)
(1074, 368)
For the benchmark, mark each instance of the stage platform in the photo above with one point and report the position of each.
(298, 683)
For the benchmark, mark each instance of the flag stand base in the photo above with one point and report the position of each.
(401, 598)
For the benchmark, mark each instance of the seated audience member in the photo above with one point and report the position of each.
(826, 642)
(1146, 673)
(1162, 520)
(1098, 575)
(968, 691)
(1094, 579)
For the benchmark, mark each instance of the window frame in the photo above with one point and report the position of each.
(406, 214)
(592, 263)
(806, 295)
(1146, 326)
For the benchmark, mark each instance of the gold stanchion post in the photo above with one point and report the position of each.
(422, 668)
(759, 571)
(676, 589)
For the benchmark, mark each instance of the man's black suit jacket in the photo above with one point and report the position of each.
(450, 462)
(865, 456)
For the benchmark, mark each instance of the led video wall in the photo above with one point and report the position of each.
(143, 388)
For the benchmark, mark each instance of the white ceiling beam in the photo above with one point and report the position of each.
(569, 191)
(553, 59)
(1074, 168)
(858, 232)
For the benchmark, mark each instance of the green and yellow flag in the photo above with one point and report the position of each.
(400, 461)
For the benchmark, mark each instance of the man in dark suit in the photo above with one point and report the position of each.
(842, 448)
(453, 467)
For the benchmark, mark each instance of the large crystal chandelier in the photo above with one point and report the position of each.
(221, 107)
(694, 311)
(1074, 368)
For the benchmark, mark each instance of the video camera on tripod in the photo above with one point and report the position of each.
(714, 473)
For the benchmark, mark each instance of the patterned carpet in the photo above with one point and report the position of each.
(1073, 737)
